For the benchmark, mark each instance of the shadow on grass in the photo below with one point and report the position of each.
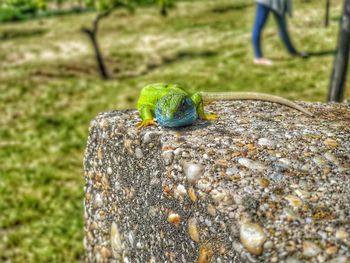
(179, 56)
(322, 53)
(13, 34)
(119, 69)
(65, 71)
(230, 8)
(336, 18)
(184, 55)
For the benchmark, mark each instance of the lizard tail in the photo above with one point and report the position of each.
(214, 96)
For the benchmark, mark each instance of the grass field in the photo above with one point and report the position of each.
(50, 91)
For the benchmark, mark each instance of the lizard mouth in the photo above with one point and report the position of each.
(185, 115)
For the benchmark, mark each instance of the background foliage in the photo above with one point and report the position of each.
(50, 91)
(15, 10)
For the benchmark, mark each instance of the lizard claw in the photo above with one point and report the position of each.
(146, 123)
(210, 117)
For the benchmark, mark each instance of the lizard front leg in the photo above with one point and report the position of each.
(147, 117)
(199, 104)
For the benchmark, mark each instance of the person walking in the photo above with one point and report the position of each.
(279, 8)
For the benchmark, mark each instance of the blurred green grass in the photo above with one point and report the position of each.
(49, 92)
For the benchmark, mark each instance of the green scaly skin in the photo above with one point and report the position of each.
(151, 94)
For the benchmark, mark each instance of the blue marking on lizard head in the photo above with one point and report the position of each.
(175, 110)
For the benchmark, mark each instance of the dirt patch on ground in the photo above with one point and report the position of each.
(56, 51)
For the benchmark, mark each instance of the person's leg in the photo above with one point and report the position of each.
(262, 13)
(284, 35)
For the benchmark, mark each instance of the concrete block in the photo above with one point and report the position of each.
(264, 183)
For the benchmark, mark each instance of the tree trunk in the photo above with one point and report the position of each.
(326, 19)
(164, 11)
(92, 34)
(341, 61)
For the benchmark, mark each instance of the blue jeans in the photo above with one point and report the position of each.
(262, 14)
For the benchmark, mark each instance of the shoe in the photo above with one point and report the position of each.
(263, 61)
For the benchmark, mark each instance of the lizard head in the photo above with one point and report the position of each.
(175, 110)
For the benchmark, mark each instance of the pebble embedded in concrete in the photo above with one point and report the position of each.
(310, 249)
(98, 202)
(253, 165)
(294, 201)
(116, 242)
(193, 229)
(266, 142)
(342, 234)
(253, 237)
(168, 157)
(138, 153)
(193, 172)
(180, 191)
(174, 218)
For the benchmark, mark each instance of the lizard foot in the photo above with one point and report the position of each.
(146, 123)
(210, 117)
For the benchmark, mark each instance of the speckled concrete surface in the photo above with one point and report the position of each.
(263, 184)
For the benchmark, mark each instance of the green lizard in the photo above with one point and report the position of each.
(172, 106)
